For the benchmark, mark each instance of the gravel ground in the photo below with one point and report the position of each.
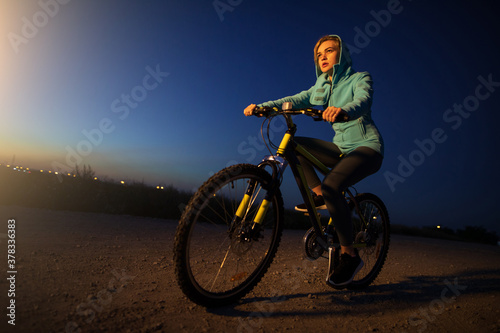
(83, 272)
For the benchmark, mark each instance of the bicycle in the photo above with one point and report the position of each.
(230, 230)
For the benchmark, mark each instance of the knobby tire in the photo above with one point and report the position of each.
(213, 266)
(377, 237)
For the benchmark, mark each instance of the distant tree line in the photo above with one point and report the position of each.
(476, 234)
(82, 191)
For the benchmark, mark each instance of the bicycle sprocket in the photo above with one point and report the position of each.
(312, 249)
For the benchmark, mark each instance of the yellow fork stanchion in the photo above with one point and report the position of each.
(262, 211)
(243, 206)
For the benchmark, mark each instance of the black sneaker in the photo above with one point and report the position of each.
(345, 271)
(319, 202)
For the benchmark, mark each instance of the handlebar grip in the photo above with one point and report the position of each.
(262, 111)
(344, 119)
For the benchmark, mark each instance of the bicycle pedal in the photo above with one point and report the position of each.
(333, 261)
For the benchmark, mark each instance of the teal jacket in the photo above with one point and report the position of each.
(350, 91)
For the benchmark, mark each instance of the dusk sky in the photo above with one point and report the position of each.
(154, 91)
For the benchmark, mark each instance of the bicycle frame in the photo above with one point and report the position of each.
(226, 240)
(287, 153)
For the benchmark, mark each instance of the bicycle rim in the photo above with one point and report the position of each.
(215, 264)
(372, 236)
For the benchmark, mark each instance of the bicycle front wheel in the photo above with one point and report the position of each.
(216, 261)
(372, 235)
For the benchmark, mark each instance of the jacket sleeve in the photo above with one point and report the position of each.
(362, 97)
(299, 101)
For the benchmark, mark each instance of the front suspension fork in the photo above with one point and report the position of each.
(278, 166)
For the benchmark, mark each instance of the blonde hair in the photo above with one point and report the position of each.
(321, 41)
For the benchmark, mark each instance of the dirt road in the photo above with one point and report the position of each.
(82, 272)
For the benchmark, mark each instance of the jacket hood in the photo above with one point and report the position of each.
(343, 68)
(322, 89)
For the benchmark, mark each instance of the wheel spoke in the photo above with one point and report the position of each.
(220, 268)
(371, 229)
(217, 262)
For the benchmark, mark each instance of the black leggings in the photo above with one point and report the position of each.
(345, 172)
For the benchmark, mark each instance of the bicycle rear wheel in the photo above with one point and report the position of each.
(372, 236)
(216, 263)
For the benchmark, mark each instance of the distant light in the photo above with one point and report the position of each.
(439, 227)
(158, 187)
(162, 187)
(28, 169)
(8, 165)
(41, 170)
(95, 178)
(50, 171)
(122, 182)
(56, 173)
(69, 174)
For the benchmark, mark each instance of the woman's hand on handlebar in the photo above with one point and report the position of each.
(249, 110)
(333, 113)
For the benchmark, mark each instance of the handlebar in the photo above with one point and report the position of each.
(316, 114)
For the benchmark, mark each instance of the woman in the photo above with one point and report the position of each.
(342, 92)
